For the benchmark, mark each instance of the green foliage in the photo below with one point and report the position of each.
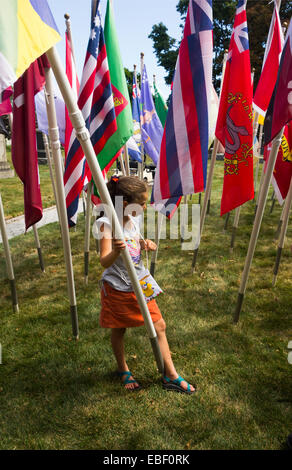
(259, 15)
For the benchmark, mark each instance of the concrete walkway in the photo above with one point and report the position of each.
(16, 226)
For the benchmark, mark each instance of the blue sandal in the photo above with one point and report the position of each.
(127, 380)
(175, 385)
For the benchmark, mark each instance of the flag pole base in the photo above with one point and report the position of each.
(74, 320)
(152, 268)
(226, 221)
(277, 264)
(14, 295)
(86, 266)
(194, 260)
(238, 307)
(157, 354)
(41, 259)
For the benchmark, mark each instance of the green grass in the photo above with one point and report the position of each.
(58, 393)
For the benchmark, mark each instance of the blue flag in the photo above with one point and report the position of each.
(136, 122)
(152, 130)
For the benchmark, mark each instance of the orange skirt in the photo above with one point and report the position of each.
(121, 310)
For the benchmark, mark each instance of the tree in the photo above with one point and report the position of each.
(259, 14)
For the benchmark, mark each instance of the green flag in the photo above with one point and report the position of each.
(160, 105)
(120, 93)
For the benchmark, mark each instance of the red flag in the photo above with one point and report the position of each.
(24, 151)
(270, 67)
(234, 125)
(283, 167)
(280, 107)
(74, 82)
(5, 105)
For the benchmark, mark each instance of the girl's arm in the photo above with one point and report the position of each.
(110, 248)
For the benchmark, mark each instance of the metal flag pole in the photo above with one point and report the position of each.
(87, 232)
(257, 223)
(8, 258)
(84, 139)
(56, 152)
(286, 213)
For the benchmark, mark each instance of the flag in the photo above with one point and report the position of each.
(97, 106)
(136, 109)
(42, 115)
(270, 66)
(182, 165)
(27, 30)
(280, 108)
(133, 150)
(234, 127)
(5, 106)
(160, 105)
(123, 113)
(24, 151)
(151, 127)
(71, 73)
(283, 167)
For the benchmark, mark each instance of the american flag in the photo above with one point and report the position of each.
(182, 166)
(97, 106)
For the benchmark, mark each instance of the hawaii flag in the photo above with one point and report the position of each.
(234, 125)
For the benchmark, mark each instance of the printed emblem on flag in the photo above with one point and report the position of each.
(234, 142)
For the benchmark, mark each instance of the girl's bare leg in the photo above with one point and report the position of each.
(117, 340)
(169, 369)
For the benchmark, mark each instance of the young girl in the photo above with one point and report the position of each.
(120, 308)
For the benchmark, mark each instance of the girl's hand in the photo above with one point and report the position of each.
(149, 245)
(118, 245)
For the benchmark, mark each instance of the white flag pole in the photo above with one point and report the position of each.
(257, 222)
(84, 139)
(56, 152)
(87, 232)
(8, 258)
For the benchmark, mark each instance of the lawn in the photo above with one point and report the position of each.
(59, 393)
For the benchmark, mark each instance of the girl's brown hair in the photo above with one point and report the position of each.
(130, 187)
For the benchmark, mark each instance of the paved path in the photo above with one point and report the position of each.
(16, 226)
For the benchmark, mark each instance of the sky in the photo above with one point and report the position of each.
(134, 20)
